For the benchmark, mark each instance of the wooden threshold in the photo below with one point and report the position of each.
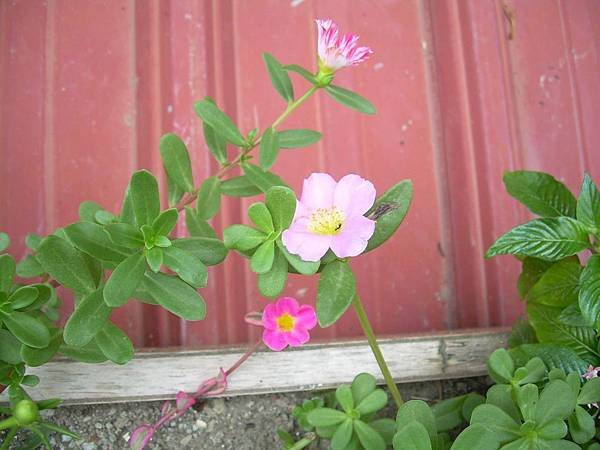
(159, 374)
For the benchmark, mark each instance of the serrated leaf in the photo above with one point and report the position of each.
(124, 280)
(541, 193)
(269, 148)
(209, 198)
(350, 99)
(174, 295)
(553, 356)
(549, 239)
(176, 160)
(559, 285)
(219, 121)
(65, 264)
(145, 201)
(89, 317)
(279, 78)
(298, 138)
(337, 287)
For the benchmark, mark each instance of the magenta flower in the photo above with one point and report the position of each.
(287, 323)
(331, 215)
(337, 52)
(141, 436)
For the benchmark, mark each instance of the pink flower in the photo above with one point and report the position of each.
(287, 323)
(141, 436)
(592, 372)
(337, 52)
(331, 215)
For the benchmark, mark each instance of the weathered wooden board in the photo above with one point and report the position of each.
(153, 376)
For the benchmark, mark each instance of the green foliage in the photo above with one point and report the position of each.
(298, 138)
(279, 78)
(350, 99)
(337, 288)
(176, 160)
(219, 121)
(269, 148)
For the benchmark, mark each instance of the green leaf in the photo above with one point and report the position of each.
(144, 197)
(389, 211)
(590, 392)
(589, 294)
(30, 380)
(125, 234)
(554, 356)
(124, 280)
(557, 401)
(588, 205)
(262, 259)
(372, 402)
(571, 315)
(522, 333)
(23, 297)
(198, 227)
(582, 340)
(92, 239)
(35, 357)
(174, 192)
(368, 437)
(298, 138)
(412, 436)
(114, 343)
(176, 159)
(279, 78)
(29, 267)
(417, 411)
(541, 193)
(501, 395)
(7, 272)
(300, 71)
(496, 421)
(65, 264)
(261, 217)
(281, 202)
(342, 435)
(476, 437)
(52, 427)
(165, 222)
(216, 143)
(239, 187)
(336, 290)
(261, 179)
(89, 317)
(209, 198)
(27, 329)
(219, 121)
(269, 148)
(272, 283)
(88, 210)
(362, 385)
(325, 417)
(242, 237)
(550, 239)
(4, 241)
(10, 348)
(559, 285)
(386, 428)
(176, 296)
(302, 267)
(154, 258)
(185, 264)
(531, 272)
(501, 366)
(105, 217)
(210, 251)
(581, 426)
(343, 395)
(350, 99)
(89, 353)
(162, 241)
(33, 241)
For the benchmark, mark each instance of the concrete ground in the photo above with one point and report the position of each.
(240, 423)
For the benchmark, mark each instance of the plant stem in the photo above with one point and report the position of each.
(368, 330)
(8, 423)
(8, 439)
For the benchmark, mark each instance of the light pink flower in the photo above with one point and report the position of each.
(335, 51)
(592, 372)
(331, 215)
(287, 323)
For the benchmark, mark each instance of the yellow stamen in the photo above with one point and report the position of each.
(285, 322)
(326, 221)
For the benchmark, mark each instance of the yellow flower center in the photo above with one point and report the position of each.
(285, 322)
(326, 221)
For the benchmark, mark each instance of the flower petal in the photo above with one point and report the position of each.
(287, 305)
(297, 337)
(275, 340)
(306, 317)
(309, 246)
(317, 191)
(269, 317)
(354, 195)
(354, 237)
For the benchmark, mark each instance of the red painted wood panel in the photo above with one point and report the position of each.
(87, 89)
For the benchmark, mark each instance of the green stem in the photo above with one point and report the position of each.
(293, 105)
(8, 423)
(8, 439)
(368, 330)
